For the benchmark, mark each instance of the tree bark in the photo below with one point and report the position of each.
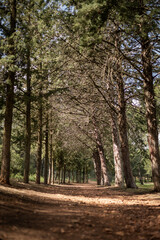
(59, 175)
(51, 163)
(49, 172)
(69, 176)
(97, 164)
(122, 122)
(64, 174)
(150, 105)
(52, 178)
(39, 150)
(101, 155)
(28, 121)
(84, 174)
(6, 155)
(73, 176)
(119, 178)
(46, 154)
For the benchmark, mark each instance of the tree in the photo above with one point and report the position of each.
(150, 104)
(143, 30)
(101, 154)
(39, 147)
(97, 166)
(28, 117)
(46, 153)
(6, 158)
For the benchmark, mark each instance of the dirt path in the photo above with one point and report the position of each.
(73, 212)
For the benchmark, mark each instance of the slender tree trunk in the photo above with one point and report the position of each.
(6, 155)
(64, 174)
(101, 155)
(59, 175)
(87, 177)
(80, 175)
(52, 178)
(73, 176)
(49, 172)
(119, 178)
(77, 175)
(83, 174)
(28, 121)
(97, 164)
(150, 105)
(69, 176)
(51, 163)
(46, 154)
(122, 121)
(39, 150)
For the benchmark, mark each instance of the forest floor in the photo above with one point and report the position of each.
(78, 211)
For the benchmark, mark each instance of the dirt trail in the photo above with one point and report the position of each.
(78, 211)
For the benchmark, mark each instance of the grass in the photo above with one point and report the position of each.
(142, 189)
(148, 185)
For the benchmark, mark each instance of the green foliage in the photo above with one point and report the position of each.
(17, 163)
(32, 178)
(18, 176)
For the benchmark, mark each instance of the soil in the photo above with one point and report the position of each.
(77, 211)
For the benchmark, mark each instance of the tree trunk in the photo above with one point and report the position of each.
(52, 178)
(80, 175)
(6, 155)
(69, 176)
(39, 150)
(87, 177)
(28, 121)
(83, 174)
(130, 183)
(64, 174)
(119, 178)
(49, 172)
(73, 176)
(51, 163)
(46, 154)
(150, 105)
(101, 155)
(97, 164)
(59, 175)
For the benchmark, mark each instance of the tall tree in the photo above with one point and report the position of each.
(102, 158)
(46, 153)
(143, 25)
(149, 98)
(39, 147)
(122, 121)
(150, 104)
(97, 166)
(28, 119)
(6, 156)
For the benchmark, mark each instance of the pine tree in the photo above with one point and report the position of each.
(6, 158)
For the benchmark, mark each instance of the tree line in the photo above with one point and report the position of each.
(80, 83)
